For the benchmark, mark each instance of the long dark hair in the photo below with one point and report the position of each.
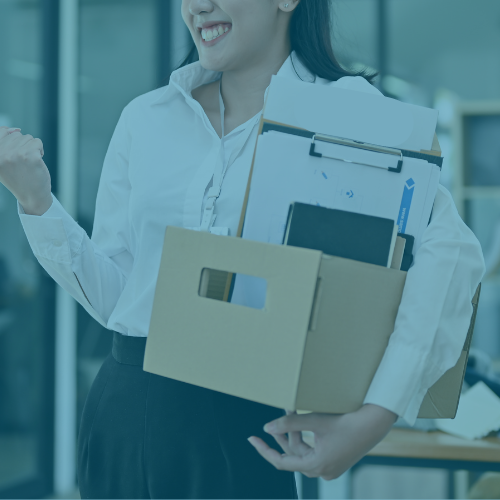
(311, 36)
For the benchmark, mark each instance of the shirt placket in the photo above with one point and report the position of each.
(194, 216)
(196, 190)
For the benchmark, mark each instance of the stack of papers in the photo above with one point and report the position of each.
(360, 116)
(478, 414)
(353, 179)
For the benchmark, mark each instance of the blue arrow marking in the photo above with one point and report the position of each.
(404, 209)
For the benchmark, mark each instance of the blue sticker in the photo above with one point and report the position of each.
(404, 210)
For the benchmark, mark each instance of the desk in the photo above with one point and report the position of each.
(411, 448)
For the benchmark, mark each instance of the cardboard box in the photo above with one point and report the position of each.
(315, 346)
(324, 329)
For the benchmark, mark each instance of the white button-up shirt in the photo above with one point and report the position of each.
(156, 173)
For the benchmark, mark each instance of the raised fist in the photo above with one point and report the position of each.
(23, 172)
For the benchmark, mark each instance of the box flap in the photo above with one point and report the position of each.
(358, 304)
(441, 400)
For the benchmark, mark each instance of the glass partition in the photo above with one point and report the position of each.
(26, 387)
(118, 62)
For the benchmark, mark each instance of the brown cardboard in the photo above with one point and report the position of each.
(356, 311)
(316, 345)
(233, 349)
(397, 256)
(441, 400)
(436, 148)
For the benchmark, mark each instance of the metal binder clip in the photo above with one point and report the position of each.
(359, 145)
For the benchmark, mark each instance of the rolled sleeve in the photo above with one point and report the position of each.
(94, 271)
(434, 314)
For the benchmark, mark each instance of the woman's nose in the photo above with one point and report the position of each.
(196, 7)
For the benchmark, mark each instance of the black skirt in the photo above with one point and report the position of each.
(146, 436)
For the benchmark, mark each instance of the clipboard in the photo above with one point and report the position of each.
(400, 153)
(317, 140)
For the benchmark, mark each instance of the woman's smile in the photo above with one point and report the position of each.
(214, 34)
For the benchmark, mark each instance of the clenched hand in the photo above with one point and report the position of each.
(23, 172)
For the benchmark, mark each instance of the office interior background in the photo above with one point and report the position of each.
(67, 69)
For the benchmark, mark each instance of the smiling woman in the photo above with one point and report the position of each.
(247, 42)
(180, 156)
(141, 435)
(310, 33)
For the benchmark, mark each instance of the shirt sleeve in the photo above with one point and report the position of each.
(94, 271)
(434, 315)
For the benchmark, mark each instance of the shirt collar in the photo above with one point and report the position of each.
(187, 78)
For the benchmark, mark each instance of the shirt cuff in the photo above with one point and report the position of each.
(401, 394)
(54, 235)
(20, 208)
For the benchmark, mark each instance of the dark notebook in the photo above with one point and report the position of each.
(408, 253)
(344, 234)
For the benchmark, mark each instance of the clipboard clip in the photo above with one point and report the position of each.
(359, 145)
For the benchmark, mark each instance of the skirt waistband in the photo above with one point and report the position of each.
(128, 350)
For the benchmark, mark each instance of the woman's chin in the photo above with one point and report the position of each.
(212, 63)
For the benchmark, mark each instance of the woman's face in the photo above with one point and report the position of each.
(251, 31)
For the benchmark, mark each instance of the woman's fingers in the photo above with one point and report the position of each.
(295, 437)
(21, 140)
(27, 145)
(28, 148)
(297, 444)
(5, 131)
(35, 145)
(282, 440)
(304, 464)
(295, 441)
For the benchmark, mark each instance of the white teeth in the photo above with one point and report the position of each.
(209, 35)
